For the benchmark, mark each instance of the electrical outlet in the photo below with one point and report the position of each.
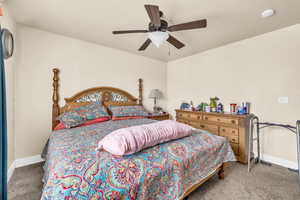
(283, 100)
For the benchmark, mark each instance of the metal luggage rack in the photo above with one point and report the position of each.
(254, 122)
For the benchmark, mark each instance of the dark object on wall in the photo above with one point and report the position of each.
(3, 131)
(7, 39)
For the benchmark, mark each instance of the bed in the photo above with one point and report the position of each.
(172, 170)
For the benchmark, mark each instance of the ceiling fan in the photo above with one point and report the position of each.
(158, 29)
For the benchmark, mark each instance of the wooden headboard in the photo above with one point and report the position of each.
(106, 95)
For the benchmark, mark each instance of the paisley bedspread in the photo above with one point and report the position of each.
(74, 170)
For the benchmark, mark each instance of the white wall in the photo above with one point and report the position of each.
(10, 66)
(258, 70)
(83, 65)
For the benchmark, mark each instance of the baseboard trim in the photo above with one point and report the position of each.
(280, 161)
(11, 170)
(22, 162)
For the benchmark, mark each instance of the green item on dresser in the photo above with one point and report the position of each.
(213, 103)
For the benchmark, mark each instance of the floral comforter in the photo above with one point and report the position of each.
(74, 170)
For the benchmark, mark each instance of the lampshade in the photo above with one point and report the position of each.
(155, 93)
(158, 37)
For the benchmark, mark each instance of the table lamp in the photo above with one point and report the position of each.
(155, 94)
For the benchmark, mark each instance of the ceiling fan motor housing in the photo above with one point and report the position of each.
(163, 27)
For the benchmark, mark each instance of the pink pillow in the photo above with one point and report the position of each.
(90, 122)
(133, 139)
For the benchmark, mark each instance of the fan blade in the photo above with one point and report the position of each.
(176, 43)
(188, 26)
(153, 12)
(145, 45)
(130, 31)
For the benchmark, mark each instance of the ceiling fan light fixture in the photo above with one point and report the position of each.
(158, 37)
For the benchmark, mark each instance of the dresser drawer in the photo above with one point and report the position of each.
(229, 131)
(196, 117)
(182, 121)
(189, 116)
(232, 134)
(185, 115)
(225, 120)
(233, 127)
(210, 128)
(235, 148)
(194, 124)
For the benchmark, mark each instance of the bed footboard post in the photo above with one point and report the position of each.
(140, 91)
(55, 98)
(221, 172)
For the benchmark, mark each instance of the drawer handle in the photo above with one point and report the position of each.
(206, 118)
(233, 140)
(202, 126)
(233, 131)
(180, 115)
(233, 121)
(218, 119)
(223, 130)
(198, 117)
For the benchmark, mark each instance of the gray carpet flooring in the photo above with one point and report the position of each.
(263, 183)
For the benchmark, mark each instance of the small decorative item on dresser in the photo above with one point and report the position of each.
(199, 108)
(192, 106)
(246, 106)
(159, 116)
(243, 109)
(240, 110)
(185, 106)
(155, 94)
(203, 106)
(207, 109)
(213, 104)
(233, 108)
(220, 108)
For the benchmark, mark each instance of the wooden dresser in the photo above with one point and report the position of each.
(233, 127)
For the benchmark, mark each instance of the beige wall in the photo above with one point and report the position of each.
(83, 65)
(258, 70)
(8, 22)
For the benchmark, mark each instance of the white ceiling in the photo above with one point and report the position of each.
(94, 20)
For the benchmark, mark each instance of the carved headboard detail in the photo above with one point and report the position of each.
(106, 95)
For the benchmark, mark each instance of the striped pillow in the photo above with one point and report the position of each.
(82, 114)
(92, 111)
(119, 112)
